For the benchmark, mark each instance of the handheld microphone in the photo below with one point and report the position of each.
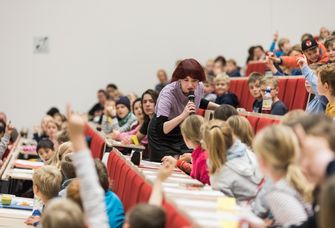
(191, 96)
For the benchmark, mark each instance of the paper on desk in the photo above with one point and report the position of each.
(226, 203)
(28, 164)
(229, 224)
(25, 171)
(192, 192)
(154, 172)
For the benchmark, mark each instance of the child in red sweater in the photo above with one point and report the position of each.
(190, 130)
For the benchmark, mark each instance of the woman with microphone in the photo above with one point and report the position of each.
(178, 99)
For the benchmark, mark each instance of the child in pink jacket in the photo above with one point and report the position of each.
(190, 130)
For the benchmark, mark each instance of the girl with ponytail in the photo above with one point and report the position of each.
(232, 168)
(277, 149)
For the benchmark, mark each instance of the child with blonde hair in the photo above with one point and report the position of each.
(232, 169)
(61, 213)
(46, 185)
(277, 148)
(209, 90)
(326, 86)
(52, 131)
(40, 132)
(191, 132)
(242, 129)
(63, 149)
(271, 83)
(222, 91)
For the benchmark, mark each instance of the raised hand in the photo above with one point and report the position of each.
(302, 61)
(9, 128)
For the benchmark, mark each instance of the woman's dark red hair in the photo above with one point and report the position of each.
(189, 67)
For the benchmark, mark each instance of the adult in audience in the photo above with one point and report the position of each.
(113, 92)
(98, 108)
(173, 106)
(14, 134)
(324, 34)
(163, 80)
(219, 65)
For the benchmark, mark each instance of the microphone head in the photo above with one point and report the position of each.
(191, 96)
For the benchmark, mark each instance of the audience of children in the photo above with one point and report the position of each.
(330, 46)
(219, 65)
(277, 149)
(232, 168)
(241, 129)
(223, 112)
(122, 118)
(291, 159)
(319, 102)
(45, 149)
(222, 91)
(46, 186)
(326, 86)
(209, 90)
(284, 46)
(254, 82)
(232, 69)
(271, 83)
(191, 131)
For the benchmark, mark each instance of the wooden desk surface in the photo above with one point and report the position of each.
(9, 163)
(200, 204)
(14, 218)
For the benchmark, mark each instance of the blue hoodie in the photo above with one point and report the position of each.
(115, 211)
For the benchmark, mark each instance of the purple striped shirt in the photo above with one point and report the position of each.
(172, 101)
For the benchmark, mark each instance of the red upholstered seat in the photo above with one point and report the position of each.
(173, 218)
(282, 86)
(145, 193)
(253, 121)
(97, 146)
(263, 122)
(290, 92)
(301, 95)
(122, 182)
(129, 190)
(133, 197)
(259, 67)
(243, 93)
(233, 85)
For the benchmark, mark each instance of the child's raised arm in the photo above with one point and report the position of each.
(91, 192)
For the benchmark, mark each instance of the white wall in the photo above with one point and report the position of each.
(95, 42)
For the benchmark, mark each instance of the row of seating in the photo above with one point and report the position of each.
(291, 91)
(258, 121)
(97, 145)
(132, 189)
(127, 183)
(259, 67)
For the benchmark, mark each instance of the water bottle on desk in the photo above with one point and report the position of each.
(37, 207)
(267, 101)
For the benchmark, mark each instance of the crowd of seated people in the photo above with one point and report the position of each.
(283, 174)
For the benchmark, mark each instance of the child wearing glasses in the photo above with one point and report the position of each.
(270, 82)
